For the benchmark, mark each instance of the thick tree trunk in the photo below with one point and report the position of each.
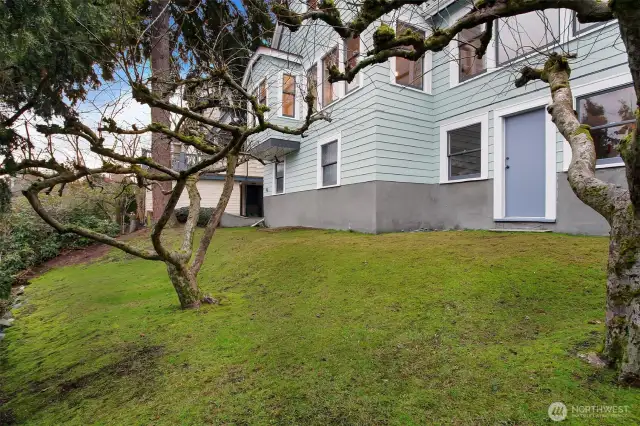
(622, 343)
(160, 69)
(186, 286)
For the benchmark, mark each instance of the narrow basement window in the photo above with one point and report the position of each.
(329, 163)
(279, 178)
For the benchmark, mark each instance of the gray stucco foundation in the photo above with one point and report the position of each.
(379, 206)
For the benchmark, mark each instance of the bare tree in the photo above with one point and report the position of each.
(220, 144)
(620, 207)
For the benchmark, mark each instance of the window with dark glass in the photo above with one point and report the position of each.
(464, 149)
(279, 178)
(519, 35)
(409, 73)
(351, 54)
(312, 84)
(610, 116)
(329, 163)
(288, 95)
(328, 89)
(468, 42)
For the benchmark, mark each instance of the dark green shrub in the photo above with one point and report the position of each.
(27, 241)
(203, 218)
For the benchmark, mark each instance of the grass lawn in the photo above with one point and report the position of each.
(320, 327)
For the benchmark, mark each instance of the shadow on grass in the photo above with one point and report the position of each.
(137, 365)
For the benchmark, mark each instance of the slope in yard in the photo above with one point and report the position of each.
(320, 327)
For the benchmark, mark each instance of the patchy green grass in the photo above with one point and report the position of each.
(320, 327)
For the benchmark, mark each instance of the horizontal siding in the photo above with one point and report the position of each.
(392, 133)
(251, 168)
(210, 192)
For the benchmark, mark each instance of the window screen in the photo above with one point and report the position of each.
(279, 178)
(329, 163)
(464, 152)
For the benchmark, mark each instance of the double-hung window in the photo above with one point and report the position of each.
(611, 118)
(279, 178)
(409, 73)
(469, 64)
(520, 35)
(328, 89)
(351, 54)
(464, 148)
(329, 173)
(288, 95)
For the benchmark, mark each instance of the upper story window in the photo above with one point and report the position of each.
(329, 93)
(279, 177)
(409, 73)
(469, 64)
(579, 28)
(312, 84)
(464, 152)
(261, 92)
(312, 4)
(351, 54)
(288, 95)
(519, 35)
(610, 115)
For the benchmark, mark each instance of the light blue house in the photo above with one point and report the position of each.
(445, 142)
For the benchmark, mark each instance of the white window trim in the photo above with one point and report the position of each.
(483, 119)
(284, 178)
(335, 138)
(427, 64)
(587, 89)
(251, 92)
(280, 87)
(499, 162)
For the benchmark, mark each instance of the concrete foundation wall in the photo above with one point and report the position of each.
(343, 207)
(380, 206)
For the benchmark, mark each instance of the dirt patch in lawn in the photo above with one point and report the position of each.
(73, 257)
